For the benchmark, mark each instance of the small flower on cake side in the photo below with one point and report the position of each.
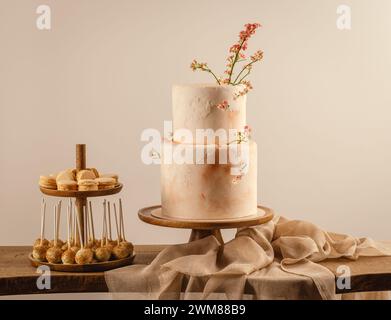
(243, 136)
(224, 105)
(242, 167)
(236, 55)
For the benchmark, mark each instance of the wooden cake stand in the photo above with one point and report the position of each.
(81, 201)
(203, 228)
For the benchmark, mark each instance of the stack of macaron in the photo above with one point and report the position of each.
(79, 180)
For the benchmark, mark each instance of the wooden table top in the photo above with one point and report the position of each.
(17, 276)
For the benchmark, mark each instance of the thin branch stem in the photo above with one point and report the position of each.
(210, 71)
(235, 60)
(244, 68)
(240, 81)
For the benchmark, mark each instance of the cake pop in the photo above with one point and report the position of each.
(119, 251)
(53, 254)
(84, 255)
(45, 242)
(68, 256)
(103, 253)
(40, 248)
(39, 253)
(59, 243)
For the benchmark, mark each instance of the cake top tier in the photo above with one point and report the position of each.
(208, 106)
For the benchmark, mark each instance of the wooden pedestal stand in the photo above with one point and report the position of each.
(203, 228)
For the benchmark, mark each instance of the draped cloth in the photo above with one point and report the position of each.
(276, 260)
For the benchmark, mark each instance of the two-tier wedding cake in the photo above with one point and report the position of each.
(200, 190)
(209, 162)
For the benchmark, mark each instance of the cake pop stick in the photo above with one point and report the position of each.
(119, 251)
(103, 252)
(84, 255)
(69, 226)
(43, 213)
(68, 256)
(75, 241)
(85, 228)
(69, 223)
(41, 245)
(102, 240)
(53, 254)
(55, 225)
(108, 244)
(87, 224)
(58, 220)
(121, 219)
(79, 230)
(116, 224)
(75, 230)
(104, 212)
(109, 220)
(124, 243)
(92, 222)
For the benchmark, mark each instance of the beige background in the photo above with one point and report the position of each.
(321, 108)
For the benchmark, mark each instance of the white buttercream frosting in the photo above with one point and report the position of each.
(210, 191)
(195, 107)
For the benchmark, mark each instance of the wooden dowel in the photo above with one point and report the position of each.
(80, 156)
(81, 201)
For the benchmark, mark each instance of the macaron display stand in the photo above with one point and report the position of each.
(81, 196)
(80, 202)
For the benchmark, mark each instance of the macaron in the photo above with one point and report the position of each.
(85, 174)
(88, 185)
(105, 183)
(67, 185)
(110, 175)
(65, 175)
(96, 173)
(48, 182)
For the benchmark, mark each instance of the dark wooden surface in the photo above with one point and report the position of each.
(17, 276)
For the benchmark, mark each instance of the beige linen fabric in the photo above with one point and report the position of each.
(276, 260)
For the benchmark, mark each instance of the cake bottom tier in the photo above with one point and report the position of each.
(209, 191)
